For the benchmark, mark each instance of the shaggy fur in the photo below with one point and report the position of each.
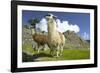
(56, 40)
(41, 41)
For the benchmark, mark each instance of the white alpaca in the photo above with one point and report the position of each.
(56, 40)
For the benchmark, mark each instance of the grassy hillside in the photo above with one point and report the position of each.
(75, 48)
(74, 40)
(29, 55)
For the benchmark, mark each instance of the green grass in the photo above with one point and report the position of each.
(72, 54)
(67, 54)
(28, 49)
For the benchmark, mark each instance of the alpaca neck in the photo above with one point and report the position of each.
(51, 28)
(33, 31)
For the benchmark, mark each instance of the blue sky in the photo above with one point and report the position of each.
(82, 20)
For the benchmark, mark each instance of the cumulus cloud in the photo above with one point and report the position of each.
(62, 26)
(85, 36)
(42, 25)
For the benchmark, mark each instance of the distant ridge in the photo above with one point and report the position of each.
(75, 41)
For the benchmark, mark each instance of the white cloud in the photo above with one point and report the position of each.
(42, 25)
(85, 36)
(63, 26)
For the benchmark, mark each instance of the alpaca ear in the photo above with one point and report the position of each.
(54, 17)
(56, 25)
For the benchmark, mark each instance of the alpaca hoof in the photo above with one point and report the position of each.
(56, 56)
(60, 54)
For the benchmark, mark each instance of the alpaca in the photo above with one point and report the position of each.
(56, 40)
(40, 39)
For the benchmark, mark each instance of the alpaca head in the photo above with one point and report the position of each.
(33, 31)
(50, 16)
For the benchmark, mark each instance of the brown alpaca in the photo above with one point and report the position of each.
(41, 41)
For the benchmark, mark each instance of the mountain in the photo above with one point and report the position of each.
(72, 39)
(75, 41)
(88, 41)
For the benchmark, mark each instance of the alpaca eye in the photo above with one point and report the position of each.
(48, 15)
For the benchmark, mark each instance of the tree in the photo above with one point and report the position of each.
(33, 22)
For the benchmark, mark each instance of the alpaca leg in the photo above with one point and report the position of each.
(54, 52)
(57, 52)
(34, 47)
(51, 51)
(61, 50)
(38, 49)
(43, 48)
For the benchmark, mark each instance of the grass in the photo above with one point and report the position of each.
(68, 54)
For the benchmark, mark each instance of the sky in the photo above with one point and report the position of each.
(77, 22)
